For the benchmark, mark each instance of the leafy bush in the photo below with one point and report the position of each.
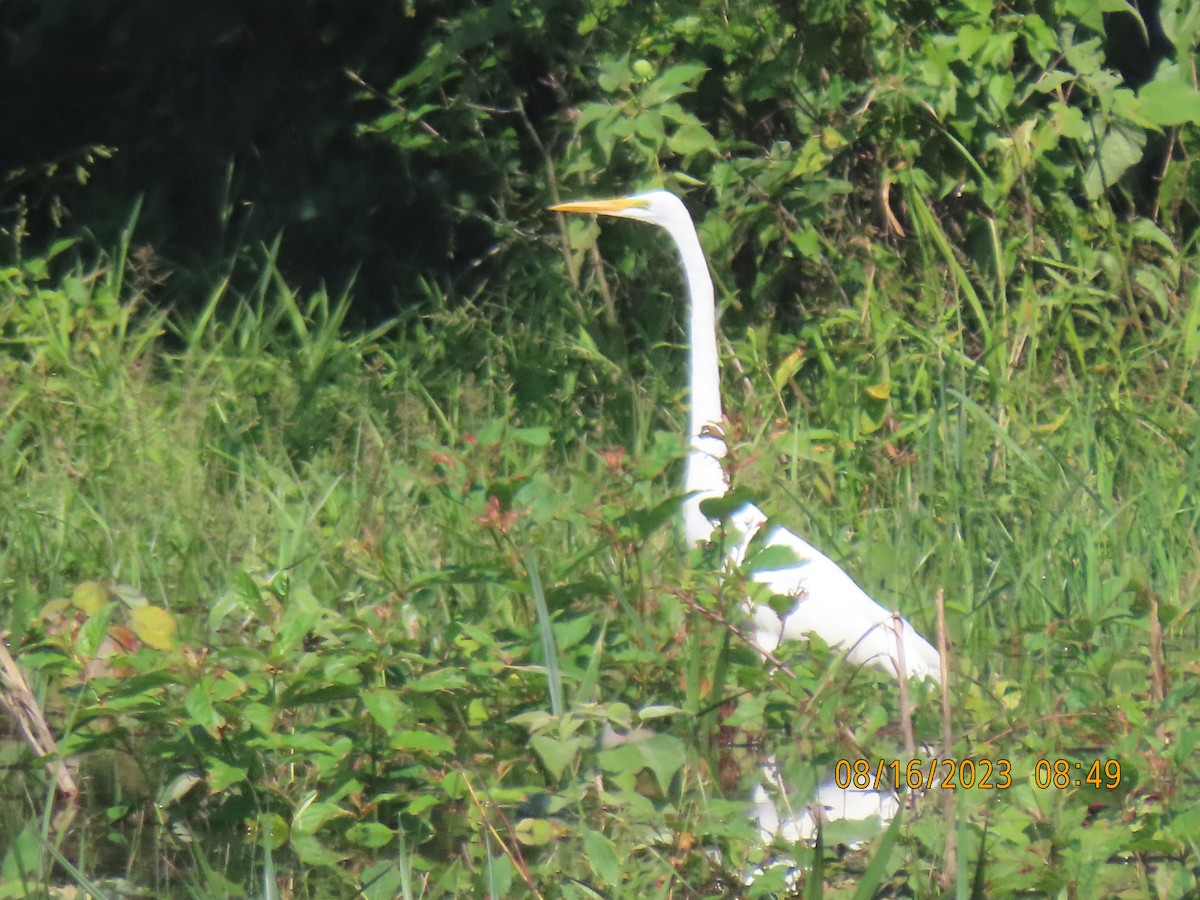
(402, 613)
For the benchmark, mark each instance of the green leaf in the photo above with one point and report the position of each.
(534, 832)
(1120, 149)
(689, 140)
(662, 754)
(222, 776)
(477, 712)
(199, 706)
(425, 741)
(274, 830)
(371, 835)
(787, 369)
(92, 633)
(1170, 99)
(419, 804)
(648, 521)
(312, 852)
(877, 869)
(602, 856)
(313, 814)
(771, 559)
(532, 437)
(675, 80)
(438, 680)
(533, 720)
(557, 754)
(385, 708)
(719, 508)
(454, 784)
(22, 862)
(300, 616)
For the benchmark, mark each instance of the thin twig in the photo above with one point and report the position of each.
(510, 848)
(803, 712)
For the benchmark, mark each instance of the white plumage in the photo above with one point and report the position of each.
(828, 602)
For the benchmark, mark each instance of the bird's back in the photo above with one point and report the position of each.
(831, 605)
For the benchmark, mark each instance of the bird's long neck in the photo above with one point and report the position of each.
(705, 477)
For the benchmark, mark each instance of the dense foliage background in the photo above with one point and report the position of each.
(338, 476)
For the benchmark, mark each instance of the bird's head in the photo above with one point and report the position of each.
(656, 207)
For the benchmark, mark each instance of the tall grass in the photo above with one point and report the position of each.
(342, 525)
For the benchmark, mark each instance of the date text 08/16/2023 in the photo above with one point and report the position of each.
(951, 774)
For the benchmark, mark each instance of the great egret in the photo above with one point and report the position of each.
(829, 804)
(828, 602)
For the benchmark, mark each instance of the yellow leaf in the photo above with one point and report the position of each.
(90, 596)
(154, 625)
(534, 832)
(789, 367)
(1051, 427)
(880, 391)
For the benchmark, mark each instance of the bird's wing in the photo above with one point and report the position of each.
(830, 605)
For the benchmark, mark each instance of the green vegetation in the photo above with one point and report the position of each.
(312, 611)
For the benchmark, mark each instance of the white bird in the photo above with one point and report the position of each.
(828, 602)
(829, 804)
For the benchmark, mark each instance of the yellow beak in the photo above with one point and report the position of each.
(598, 207)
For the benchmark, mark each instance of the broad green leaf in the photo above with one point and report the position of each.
(880, 391)
(491, 433)
(418, 805)
(385, 708)
(1171, 99)
(454, 784)
(477, 712)
(1120, 149)
(557, 754)
(372, 835)
(662, 754)
(222, 776)
(313, 814)
(92, 633)
(718, 508)
(689, 140)
(533, 437)
(602, 857)
(643, 68)
(300, 616)
(533, 720)
(771, 559)
(570, 632)
(675, 80)
(438, 680)
(313, 852)
(23, 860)
(423, 741)
(199, 706)
(648, 521)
